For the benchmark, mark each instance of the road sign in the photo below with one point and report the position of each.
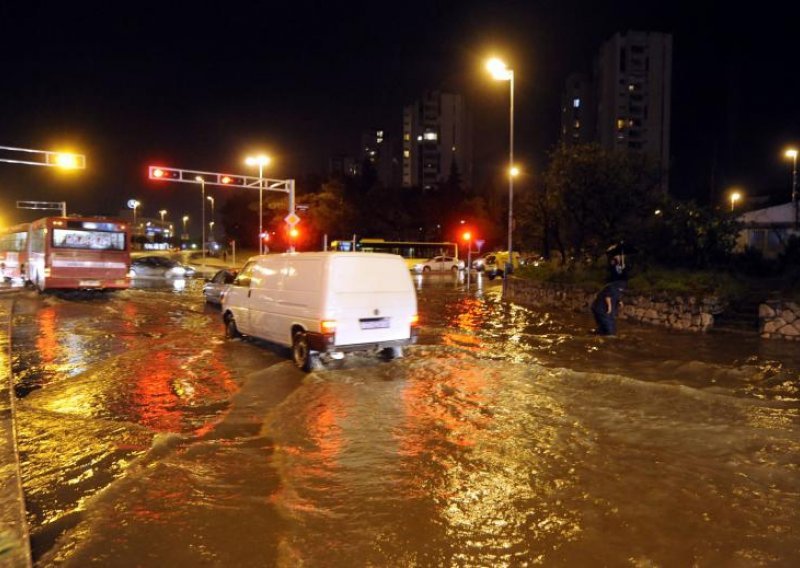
(292, 219)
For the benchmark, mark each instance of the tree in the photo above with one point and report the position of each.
(592, 197)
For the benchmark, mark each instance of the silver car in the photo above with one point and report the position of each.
(159, 267)
(213, 288)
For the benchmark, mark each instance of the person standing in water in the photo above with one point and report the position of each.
(606, 306)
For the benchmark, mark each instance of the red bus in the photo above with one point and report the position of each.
(79, 253)
(13, 251)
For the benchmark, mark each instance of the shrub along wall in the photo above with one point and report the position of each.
(779, 320)
(687, 313)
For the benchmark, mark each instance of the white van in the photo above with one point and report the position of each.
(324, 303)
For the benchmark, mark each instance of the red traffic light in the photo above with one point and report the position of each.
(157, 172)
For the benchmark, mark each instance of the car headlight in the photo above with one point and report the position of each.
(178, 270)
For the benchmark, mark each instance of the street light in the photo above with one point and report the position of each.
(203, 215)
(134, 204)
(792, 153)
(185, 219)
(500, 72)
(260, 161)
(735, 196)
(211, 199)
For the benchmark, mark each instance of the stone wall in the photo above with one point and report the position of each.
(687, 313)
(779, 320)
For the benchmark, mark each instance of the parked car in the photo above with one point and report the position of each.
(216, 285)
(324, 303)
(159, 267)
(440, 264)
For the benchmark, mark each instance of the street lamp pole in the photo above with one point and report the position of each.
(211, 199)
(203, 215)
(261, 161)
(501, 72)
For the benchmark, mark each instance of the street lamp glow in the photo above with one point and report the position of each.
(514, 171)
(68, 161)
(498, 69)
(791, 153)
(260, 160)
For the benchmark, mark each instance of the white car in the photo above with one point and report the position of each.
(440, 264)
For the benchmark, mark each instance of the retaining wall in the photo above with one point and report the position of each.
(779, 320)
(687, 313)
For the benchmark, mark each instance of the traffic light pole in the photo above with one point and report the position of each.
(259, 183)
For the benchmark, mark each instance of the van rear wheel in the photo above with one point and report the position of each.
(303, 357)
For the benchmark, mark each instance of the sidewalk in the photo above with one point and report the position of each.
(14, 539)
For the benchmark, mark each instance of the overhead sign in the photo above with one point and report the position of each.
(292, 219)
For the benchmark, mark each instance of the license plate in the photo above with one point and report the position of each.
(374, 323)
(89, 283)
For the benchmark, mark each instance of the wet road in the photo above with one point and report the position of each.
(507, 437)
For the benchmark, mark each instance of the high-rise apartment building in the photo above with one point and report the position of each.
(626, 104)
(578, 110)
(634, 79)
(436, 136)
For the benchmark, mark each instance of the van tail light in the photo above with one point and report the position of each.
(327, 326)
(414, 320)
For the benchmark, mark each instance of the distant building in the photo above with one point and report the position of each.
(343, 165)
(626, 104)
(578, 110)
(436, 135)
(768, 230)
(377, 148)
(634, 81)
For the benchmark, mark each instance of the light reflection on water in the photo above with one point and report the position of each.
(509, 436)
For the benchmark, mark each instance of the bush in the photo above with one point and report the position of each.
(653, 280)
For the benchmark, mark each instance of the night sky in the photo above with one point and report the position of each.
(134, 83)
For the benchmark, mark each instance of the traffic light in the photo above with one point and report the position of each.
(157, 172)
(225, 179)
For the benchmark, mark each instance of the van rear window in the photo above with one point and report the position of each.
(369, 274)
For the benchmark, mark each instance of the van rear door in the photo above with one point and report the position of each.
(373, 299)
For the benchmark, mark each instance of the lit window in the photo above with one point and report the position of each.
(406, 136)
(577, 124)
(419, 138)
(620, 123)
(576, 103)
(631, 87)
(380, 133)
(406, 154)
(430, 136)
(454, 148)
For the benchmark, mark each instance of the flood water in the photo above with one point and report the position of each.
(509, 436)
